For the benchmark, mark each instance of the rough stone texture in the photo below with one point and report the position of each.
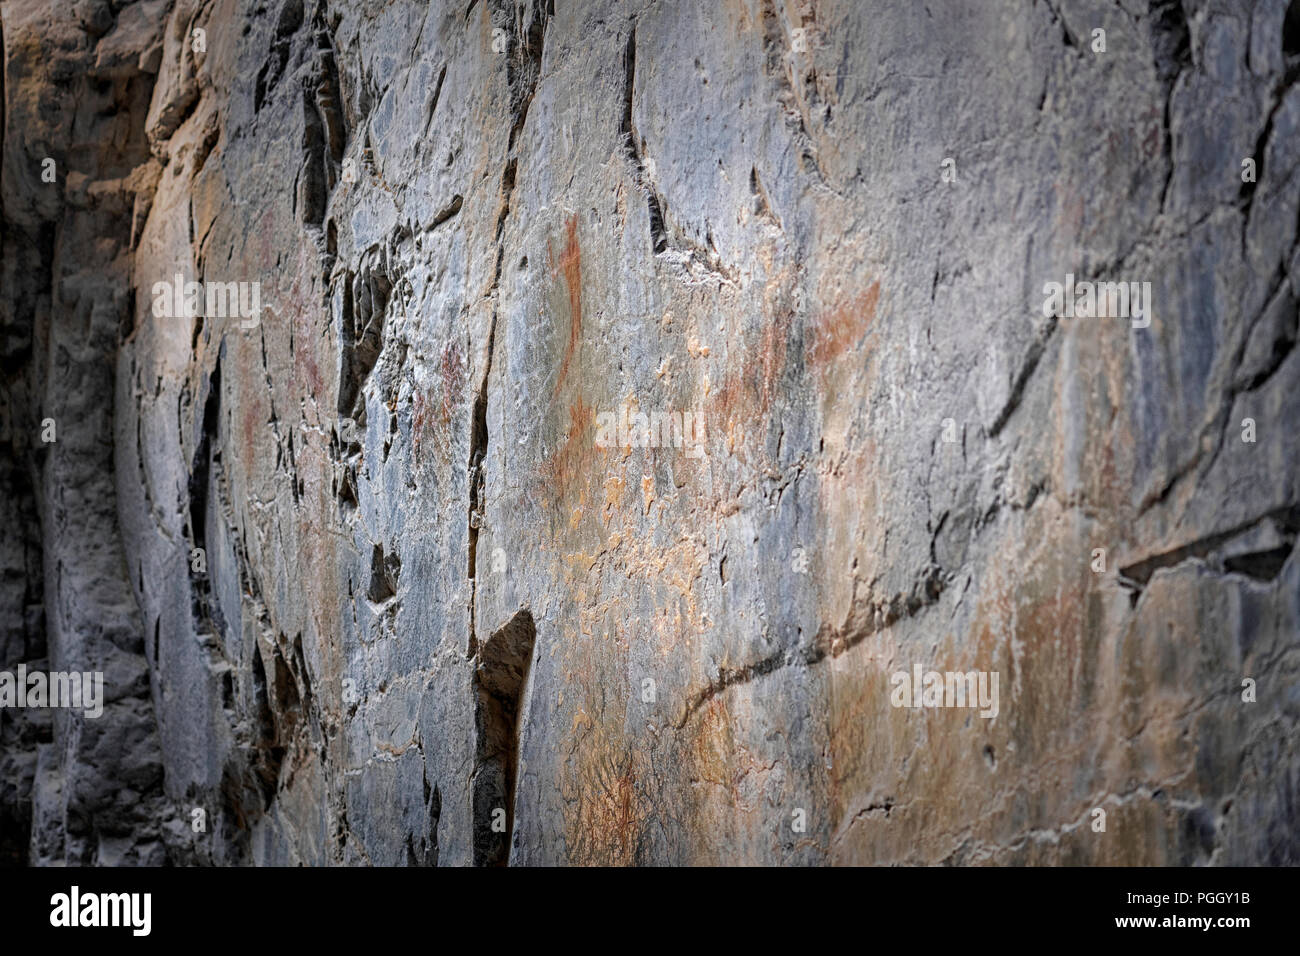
(429, 593)
(89, 790)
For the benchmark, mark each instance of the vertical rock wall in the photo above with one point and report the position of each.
(76, 88)
(367, 581)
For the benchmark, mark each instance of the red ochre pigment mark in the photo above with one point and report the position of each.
(771, 361)
(842, 328)
(419, 421)
(254, 416)
(305, 355)
(453, 380)
(570, 266)
(560, 467)
(747, 392)
(432, 411)
(309, 372)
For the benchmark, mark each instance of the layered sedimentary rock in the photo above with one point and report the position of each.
(373, 578)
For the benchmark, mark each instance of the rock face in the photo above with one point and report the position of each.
(385, 572)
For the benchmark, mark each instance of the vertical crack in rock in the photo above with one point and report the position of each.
(365, 304)
(268, 746)
(627, 129)
(434, 100)
(425, 852)
(478, 446)
(384, 572)
(1291, 61)
(1171, 44)
(203, 510)
(286, 725)
(523, 72)
(251, 773)
(199, 490)
(1068, 37)
(290, 19)
(686, 250)
(500, 679)
(324, 138)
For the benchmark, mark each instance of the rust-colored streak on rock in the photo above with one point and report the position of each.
(254, 417)
(419, 421)
(557, 469)
(771, 360)
(432, 410)
(747, 393)
(453, 380)
(308, 370)
(570, 267)
(842, 328)
(301, 306)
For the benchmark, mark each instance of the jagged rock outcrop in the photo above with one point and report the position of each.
(370, 580)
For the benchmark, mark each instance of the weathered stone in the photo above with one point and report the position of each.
(360, 573)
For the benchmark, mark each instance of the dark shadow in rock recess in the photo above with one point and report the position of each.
(499, 680)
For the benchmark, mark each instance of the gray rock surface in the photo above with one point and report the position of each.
(365, 579)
